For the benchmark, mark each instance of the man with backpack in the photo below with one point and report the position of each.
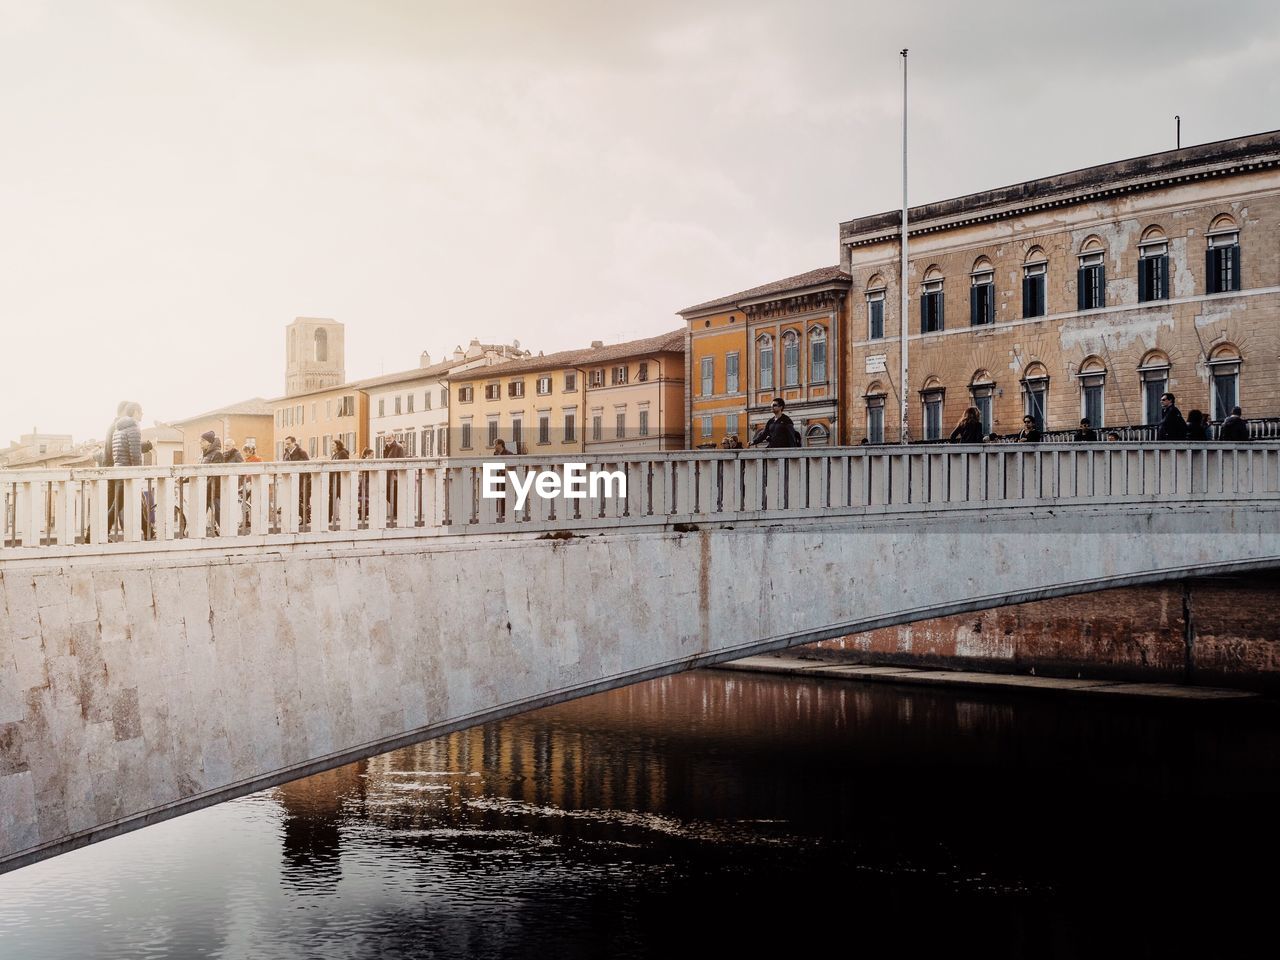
(778, 431)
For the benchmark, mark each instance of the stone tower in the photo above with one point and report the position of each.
(315, 355)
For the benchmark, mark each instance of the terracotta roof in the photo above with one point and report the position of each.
(672, 342)
(801, 280)
(435, 370)
(256, 407)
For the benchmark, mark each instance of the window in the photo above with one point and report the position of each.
(1091, 277)
(1154, 374)
(619, 376)
(428, 445)
(313, 447)
(730, 423)
(493, 391)
(875, 417)
(328, 409)
(706, 426)
(544, 428)
(444, 396)
(731, 384)
(426, 400)
(817, 355)
(791, 358)
(570, 426)
(1033, 286)
(570, 382)
(493, 431)
(397, 404)
(544, 386)
(517, 433)
(932, 314)
(1153, 267)
(708, 365)
(766, 362)
(1222, 259)
(644, 423)
(347, 407)
(817, 435)
(982, 295)
(466, 435)
(597, 378)
(314, 405)
(465, 394)
(1093, 379)
(1035, 394)
(597, 426)
(410, 444)
(515, 389)
(642, 374)
(981, 391)
(1224, 377)
(408, 401)
(322, 346)
(301, 414)
(875, 314)
(382, 406)
(620, 423)
(327, 444)
(932, 398)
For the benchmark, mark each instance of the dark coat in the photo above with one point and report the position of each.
(1029, 435)
(297, 454)
(232, 456)
(1197, 431)
(1172, 425)
(214, 453)
(1085, 436)
(1234, 429)
(393, 450)
(967, 433)
(778, 432)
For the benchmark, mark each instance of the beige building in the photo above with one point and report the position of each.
(168, 445)
(315, 355)
(37, 450)
(317, 418)
(1084, 294)
(249, 421)
(625, 396)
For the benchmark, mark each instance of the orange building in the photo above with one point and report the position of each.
(779, 339)
(316, 419)
(249, 421)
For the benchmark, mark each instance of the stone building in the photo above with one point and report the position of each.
(315, 355)
(1089, 294)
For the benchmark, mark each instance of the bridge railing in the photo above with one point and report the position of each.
(149, 508)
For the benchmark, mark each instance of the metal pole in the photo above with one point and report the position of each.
(1177, 125)
(902, 274)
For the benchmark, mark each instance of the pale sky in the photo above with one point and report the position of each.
(179, 179)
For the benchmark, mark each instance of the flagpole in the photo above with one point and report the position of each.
(902, 273)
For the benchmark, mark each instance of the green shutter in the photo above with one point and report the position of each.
(1235, 274)
(942, 314)
(1102, 286)
(1146, 267)
(1210, 271)
(1026, 297)
(1082, 280)
(1162, 278)
(974, 306)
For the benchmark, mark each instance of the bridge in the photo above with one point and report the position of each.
(228, 628)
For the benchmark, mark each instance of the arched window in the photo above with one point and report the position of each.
(982, 391)
(817, 435)
(1224, 378)
(817, 354)
(875, 412)
(931, 399)
(764, 354)
(982, 293)
(791, 359)
(1091, 277)
(293, 340)
(1153, 371)
(932, 317)
(1222, 258)
(1093, 380)
(875, 308)
(1034, 273)
(322, 345)
(1153, 266)
(1035, 394)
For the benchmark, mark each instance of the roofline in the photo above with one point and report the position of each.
(1151, 171)
(835, 283)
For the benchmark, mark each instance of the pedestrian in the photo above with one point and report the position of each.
(363, 485)
(1235, 429)
(1030, 432)
(1172, 426)
(340, 452)
(969, 429)
(731, 442)
(125, 450)
(1112, 436)
(992, 437)
(777, 431)
(251, 454)
(1086, 433)
(246, 485)
(210, 453)
(392, 450)
(500, 485)
(1197, 428)
(230, 452)
(295, 454)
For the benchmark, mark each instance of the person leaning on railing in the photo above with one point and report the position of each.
(1234, 429)
(1030, 432)
(969, 429)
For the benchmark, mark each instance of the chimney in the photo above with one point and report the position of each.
(425, 359)
(597, 344)
(457, 354)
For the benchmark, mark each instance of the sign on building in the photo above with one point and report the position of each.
(876, 364)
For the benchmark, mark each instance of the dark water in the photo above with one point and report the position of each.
(714, 813)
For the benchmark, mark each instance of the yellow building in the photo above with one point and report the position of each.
(779, 339)
(317, 418)
(625, 396)
(249, 421)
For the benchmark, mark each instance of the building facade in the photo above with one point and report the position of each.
(315, 355)
(316, 419)
(1087, 294)
(782, 339)
(541, 404)
(250, 421)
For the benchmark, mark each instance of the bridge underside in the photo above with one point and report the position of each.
(129, 695)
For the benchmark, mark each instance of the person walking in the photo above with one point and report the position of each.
(1172, 426)
(362, 485)
(1086, 433)
(251, 454)
(295, 454)
(969, 429)
(392, 450)
(778, 431)
(1235, 429)
(211, 452)
(1030, 433)
(1197, 428)
(340, 452)
(500, 486)
(126, 450)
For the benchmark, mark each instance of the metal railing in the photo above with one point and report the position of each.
(70, 511)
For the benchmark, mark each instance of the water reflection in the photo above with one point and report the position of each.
(746, 808)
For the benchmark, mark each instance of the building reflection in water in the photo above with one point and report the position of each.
(311, 828)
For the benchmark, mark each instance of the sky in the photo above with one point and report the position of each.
(179, 179)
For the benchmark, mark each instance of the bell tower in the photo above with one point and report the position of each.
(315, 355)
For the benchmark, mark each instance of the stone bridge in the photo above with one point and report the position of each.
(296, 617)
